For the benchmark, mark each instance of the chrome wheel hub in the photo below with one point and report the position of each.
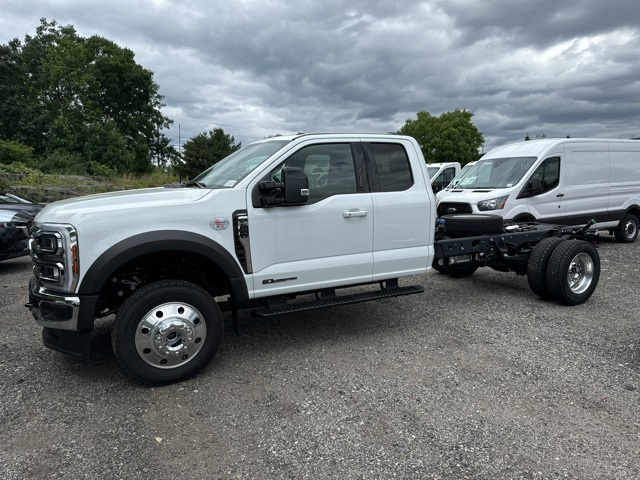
(630, 229)
(580, 274)
(170, 335)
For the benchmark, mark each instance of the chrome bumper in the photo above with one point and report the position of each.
(53, 310)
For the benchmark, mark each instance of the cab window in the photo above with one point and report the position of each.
(329, 167)
(391, 164)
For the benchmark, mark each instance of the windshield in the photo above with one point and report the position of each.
(461, 174)
(6, 197)
(496, 172)
(230, 170)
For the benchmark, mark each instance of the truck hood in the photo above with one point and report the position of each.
(63, 211)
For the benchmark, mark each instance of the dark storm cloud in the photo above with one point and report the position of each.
(257, 68)
(540, 24)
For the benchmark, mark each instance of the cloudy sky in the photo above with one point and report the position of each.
(257, 68)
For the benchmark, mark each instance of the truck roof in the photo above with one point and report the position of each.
(332, 135)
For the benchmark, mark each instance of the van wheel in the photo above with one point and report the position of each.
(537, 266)
(573, 272)
(472, 225)
(444, 269)
(456, 271)
(166, 332)
(627, 231)
(462, 271)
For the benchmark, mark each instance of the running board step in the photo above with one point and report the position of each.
(334, 301)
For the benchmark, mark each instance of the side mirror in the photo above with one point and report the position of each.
(536, 187)
(295, 185)
(293, 190)
(531, 189)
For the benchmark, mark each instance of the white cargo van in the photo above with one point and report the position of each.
(441, 174)
(564, 181)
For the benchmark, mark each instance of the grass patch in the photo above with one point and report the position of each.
(49, 188)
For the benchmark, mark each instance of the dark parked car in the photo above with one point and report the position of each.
(15, 228)
(11, 201)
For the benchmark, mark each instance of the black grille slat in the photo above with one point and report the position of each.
(445, 208)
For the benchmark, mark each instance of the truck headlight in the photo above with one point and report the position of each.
(55, 256)
(493, 204)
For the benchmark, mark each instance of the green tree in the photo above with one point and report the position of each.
(86, 97)
(451, 137)
(204, 150)
(12, 92)
(13, 151)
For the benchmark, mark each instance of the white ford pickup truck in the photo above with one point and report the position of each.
(281, 225)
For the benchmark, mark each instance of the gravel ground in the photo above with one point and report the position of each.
(476, 378)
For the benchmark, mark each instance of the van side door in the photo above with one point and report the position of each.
(625, 177)
(586, 182)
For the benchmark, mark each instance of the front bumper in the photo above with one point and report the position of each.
(67, 320)
(53, 310)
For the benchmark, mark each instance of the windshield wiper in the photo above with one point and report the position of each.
(195, 184)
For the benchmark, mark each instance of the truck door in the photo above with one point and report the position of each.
(323, 243)
(404, 211)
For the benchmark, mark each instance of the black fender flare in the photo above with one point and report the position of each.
(150, 242)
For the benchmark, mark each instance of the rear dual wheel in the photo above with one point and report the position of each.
(564, 270)
(537, 266)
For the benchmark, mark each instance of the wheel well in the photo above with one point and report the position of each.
(525, 217)
(635, 210)
(145, 269)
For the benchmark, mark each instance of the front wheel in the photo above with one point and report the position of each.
(166, 332)
(627, 231)
(573, 272)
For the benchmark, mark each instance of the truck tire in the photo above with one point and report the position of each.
(537, 266)
(573, 272)
(472, 225)
(462, 271)
(627, 231)
(456, 271)
(166, 332)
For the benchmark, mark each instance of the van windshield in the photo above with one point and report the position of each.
(496, 172)
(461, 174)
